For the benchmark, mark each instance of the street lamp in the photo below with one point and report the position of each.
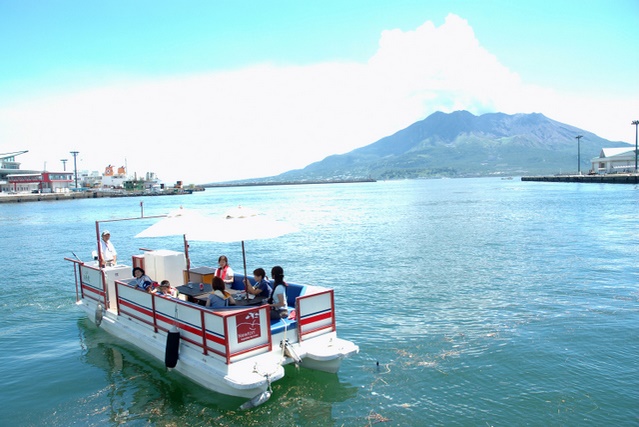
(75, 167)
(636, 123)
(579, 153)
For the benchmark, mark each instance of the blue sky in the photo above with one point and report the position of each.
(285, 83)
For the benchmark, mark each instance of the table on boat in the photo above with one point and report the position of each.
(201, 299)
(192, 290)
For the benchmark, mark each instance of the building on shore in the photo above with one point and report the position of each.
(16, 180)
(41, 182)
(614, 160)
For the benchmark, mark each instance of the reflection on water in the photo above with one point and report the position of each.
(138, 389)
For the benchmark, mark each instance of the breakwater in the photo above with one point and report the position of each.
(37, 197)
(595, 179)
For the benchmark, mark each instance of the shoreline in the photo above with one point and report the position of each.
(267, 183)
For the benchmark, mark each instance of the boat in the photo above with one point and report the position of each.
(237, 351)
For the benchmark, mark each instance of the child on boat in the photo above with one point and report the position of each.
(141, 280)
(166, 289)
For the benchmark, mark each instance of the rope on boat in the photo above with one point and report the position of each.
(287, 348)
(287, 351)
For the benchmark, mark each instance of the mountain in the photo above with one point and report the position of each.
(461, 144)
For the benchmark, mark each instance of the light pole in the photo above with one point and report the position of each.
(579, 153)
(636, 123)
(75, 167)
(64, 164)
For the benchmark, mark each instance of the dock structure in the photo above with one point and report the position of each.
(589, 179)
(72, 195)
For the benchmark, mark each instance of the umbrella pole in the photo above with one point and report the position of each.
(244, 259)
(188, 260)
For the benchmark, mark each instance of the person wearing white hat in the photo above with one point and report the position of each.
(109, 254)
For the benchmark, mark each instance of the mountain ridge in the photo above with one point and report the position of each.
(460, 144)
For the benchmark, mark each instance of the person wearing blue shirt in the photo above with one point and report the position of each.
(262, 288)
(141, 280)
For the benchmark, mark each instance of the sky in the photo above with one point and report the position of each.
(212, 90)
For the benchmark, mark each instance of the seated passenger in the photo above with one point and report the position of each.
(278, 301)
(166, 289)
(262, 288)
(141, 280)
(219, 298)
(224, 270)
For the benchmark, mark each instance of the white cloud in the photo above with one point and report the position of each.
(268, 119)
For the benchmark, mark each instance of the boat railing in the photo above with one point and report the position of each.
(89, 282)
(315, 314)
(227, 335)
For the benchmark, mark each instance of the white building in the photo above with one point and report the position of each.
(614, 160)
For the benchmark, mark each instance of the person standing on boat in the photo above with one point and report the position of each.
(262, 287)
(224, 271)
(141, 280)
(109, 254)
(277, 301)
(219, 298)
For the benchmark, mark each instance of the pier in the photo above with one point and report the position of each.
(72, 195)
(589, 179)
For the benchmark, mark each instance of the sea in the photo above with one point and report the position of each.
(474, 302)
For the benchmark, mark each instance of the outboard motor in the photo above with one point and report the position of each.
(259, 399)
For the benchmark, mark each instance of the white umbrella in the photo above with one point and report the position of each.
(237, 225)
(241, 224)
(179, 222)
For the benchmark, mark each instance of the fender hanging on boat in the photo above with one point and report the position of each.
(98, 315)
(171, 354)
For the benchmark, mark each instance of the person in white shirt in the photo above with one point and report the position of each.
(278, 300)
(224, 271)
(109, 254)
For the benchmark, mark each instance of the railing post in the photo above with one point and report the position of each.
(203, 333)
(76, 267)
(105, 289)
(155, 320)
(117, 299)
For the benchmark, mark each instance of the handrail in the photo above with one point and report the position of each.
(319, 317)
(154, 317)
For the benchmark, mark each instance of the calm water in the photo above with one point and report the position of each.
(474, 302)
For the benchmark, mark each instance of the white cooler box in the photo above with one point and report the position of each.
(165, 265)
